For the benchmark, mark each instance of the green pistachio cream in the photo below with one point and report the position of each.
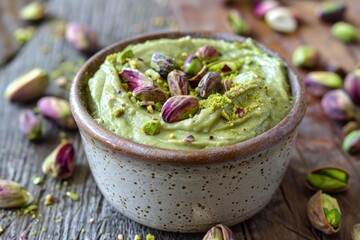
(136, 95)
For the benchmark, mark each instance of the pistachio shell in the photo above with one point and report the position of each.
(320, 82)
(281, 19)
(344, 32)
(351, 142)
(178, 83)
(81, 37)
(27, 87)
(29, 124)
(338, 106)
(34, 11)
(13, 195)
(264, 6)
(355, 233)
(332, 11)
(328, 179)
(135, 78)
(352, 85)
(178, 108)
(219, 232)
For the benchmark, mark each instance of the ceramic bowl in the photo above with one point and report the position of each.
(185, 190)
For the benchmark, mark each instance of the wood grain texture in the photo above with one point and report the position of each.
(318, 143)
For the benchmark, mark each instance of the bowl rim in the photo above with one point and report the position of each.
(192, 156)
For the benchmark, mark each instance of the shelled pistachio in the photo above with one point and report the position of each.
(328, 179)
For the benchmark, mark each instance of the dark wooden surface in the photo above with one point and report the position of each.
(318, 143)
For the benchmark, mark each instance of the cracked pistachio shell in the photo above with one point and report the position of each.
(264, 6)
(355, 233)
(178, 83)
(352, 85)
(27, 87)
(345, 32)
(135, 78)
(179, 107)
(328, 179)
(305, 56)
(320, 82)
(324, 213)
(60, 162)
(13, 195)
(338, 106)
(192, 65)
(281, 19)
(57, 110)
(210, 84)
(29, 124)
(208, 53)
(81, 37)
(34, 11)
(150, 93)
(219, 232)
(351, 142)
(332, 11)
(162, 64)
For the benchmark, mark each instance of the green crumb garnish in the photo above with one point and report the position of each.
(43, 229)
(137, 237)
(37, 180)
(150, 109)
(120, 237)
(34, 232)
(124, 56)
(91, 220)
(149, 236)
(118, 112)
(157, 106)
(83, 230)
(73, 196)
(57, 187)
(151, 128)
(1, 229)
(49, 200)
(172, 136)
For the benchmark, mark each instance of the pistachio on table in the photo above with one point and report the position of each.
(263, 7)
(27, 87)
(210, 84)
(178, 83)
(34, 11)
(281, 19)
(23, 35)
(355, 233)
(162, 64)
(328, 179)
(351, 143)
(219, 232)
(135, 78)
(13, 195)
(150, 93)
(352, 85)
(192, 65)
(349, 127)
(208, 53)
(345, 32)
(81, 37)
(324, 213)
(29, 124)
(179, 107)
(320, 82)
(60, 162)
(338, 106)
(332, 11)
(305, 56)
(57, 110)
(238, 24)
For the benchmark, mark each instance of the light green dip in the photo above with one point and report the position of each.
(265, 96)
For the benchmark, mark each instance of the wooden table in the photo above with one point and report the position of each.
(318, 143)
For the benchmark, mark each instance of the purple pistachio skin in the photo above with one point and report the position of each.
(338, 106)
(332, 12)
(81, 37)
(208, 53)
(57, 110)
(60, 162)
(263, 7)
(179, 107)
(210, 84)
(135, 78)
(352, 85)
(13, 195)
(29, 124)
(150, 93)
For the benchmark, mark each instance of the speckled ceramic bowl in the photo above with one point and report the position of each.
(185, 190)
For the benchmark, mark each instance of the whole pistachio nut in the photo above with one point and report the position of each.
(150, 93)
(13, 195)
(208, 53)
(192, 65)
(351, 143)
(178, 83)
(332, 11)
(81, 37)
(324, 213)
(305, 56)
(219, 232)
(27, 87)
(237, 23)
(281, 19)
(151, 127)
(355, 233)
(57, 110)
(162, 64)
(135, 78)
(179, 107)
(60, 162)
(320, 82)
(210, 84)
(328, 179)
(264, 6)
(352, 85)
(29, 124)
(338, 106)
(345, 32)
(34, 11)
